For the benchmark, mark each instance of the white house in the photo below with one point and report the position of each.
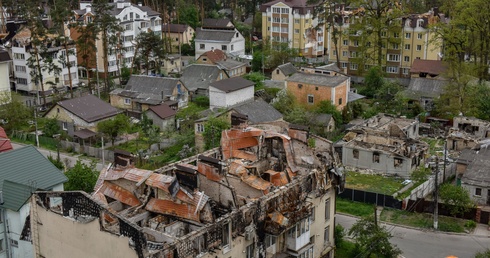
(5, 61)
(228, 92)
(21, 51)
(133, 19)
(24, 171)
(220, 34)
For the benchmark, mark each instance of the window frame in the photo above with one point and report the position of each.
(310, 99)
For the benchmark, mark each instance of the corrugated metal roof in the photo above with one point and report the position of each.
(119, 193)
(287, 69)
(28, 167)
(168, 207)
(256, 182)
(163, 111)
(258, 111)
(199, 76)
(15, 195)
(150, 88)
(224, 36)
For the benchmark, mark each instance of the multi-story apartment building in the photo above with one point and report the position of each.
(253, 197)
(412, 40)
(293, 22)
(133, 20)
(5, 61)
(22, 50)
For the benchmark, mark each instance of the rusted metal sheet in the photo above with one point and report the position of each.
(239, 154)
(237, 168)
(160, 181)
(168, 207)
(256, 182)
(278, 218)
(277, 178)
(209, 171)
(237, 144)
(298, 134)
(116, 192)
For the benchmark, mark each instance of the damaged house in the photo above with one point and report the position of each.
(384, 144)
(467, 132)
(264, 193)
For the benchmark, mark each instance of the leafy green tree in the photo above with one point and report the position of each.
(455, 198)
(257, 78)
(326, 107)
(298, 115)
(386, 97)
(375, 19)
(60, 16)
(201, 101)
(421, 174)
(51, 127)
(40, 59)
(339, 235)
(107, 25)
(212, 131)
(372, 240)
(86, 47)
(114, 127)
(372, 82)
(149, 47)
(14, 112)
(81, 177)
(284, 101)
(56, 162)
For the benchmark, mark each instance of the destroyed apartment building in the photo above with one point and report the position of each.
(384, 144)
(264, 193)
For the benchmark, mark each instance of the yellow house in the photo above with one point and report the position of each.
(178, 34)
(81, 114)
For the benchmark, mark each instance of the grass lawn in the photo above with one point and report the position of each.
(373, 183)
(422, 220)
(354, 208)
(132, 146)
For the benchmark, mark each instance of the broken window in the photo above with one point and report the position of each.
(250, 251)
(226, 235)
(327, 209)
(355, 154)
(478, 191)
(398, 162)
(198, 244)
(375, 157)
(270, 240)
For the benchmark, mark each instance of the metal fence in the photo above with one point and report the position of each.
(372, 198)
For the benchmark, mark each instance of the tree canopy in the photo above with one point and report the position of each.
(81, 177)
(114, 127)
(455, 198)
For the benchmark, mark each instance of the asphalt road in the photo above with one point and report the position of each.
(71, 159)
(428, 244)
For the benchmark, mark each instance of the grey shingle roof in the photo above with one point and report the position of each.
(229, 64)
(89, 108)
(232, 84)
(25, 169)
(217, 23)
(477, 172)
(425, 87)
(287, 69)
(174, 28)
(199, 76)
(352, 96)
(317, 79)
(258, 111)
(150, 88)
(4, 56)
(214, 35)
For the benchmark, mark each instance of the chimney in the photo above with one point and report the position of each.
(88, 9)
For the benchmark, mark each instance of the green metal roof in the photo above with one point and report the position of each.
(23, 170)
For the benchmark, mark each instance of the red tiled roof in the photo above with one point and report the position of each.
(433, 67)
(215, 55)
(5, 144)
(163, 111)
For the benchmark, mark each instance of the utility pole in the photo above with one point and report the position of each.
(375, 216)
(103, 160)
(35, 123)
(445, 159)
(436, 195)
